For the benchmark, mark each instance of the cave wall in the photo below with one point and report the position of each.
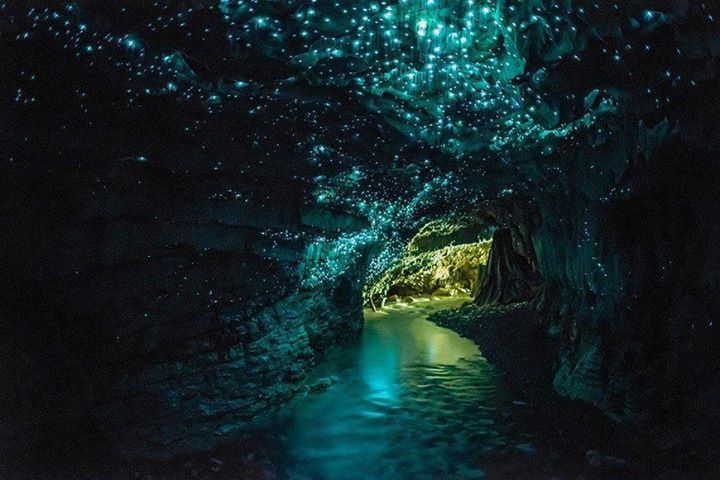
(628, 278)
(508, 277)
(167, 277)
(147, 315)
(621, 247)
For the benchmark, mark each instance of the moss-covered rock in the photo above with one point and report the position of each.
(433, 264)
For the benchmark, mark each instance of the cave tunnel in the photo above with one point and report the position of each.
(336, 239)
(445, 257)
(481, 256)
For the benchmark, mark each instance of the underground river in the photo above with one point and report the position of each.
(410, 400)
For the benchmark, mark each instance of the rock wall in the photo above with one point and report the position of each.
(167, 276)
(628, 297)
(627, 267)
(147, 315)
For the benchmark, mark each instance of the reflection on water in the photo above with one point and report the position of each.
(410, 400)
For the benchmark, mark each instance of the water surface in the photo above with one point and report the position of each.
(410, 400)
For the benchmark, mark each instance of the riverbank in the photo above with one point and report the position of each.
(510, 337)
(514, 339)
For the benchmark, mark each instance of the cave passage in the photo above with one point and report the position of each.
(474, 256)
(409, 400)
(445, 258)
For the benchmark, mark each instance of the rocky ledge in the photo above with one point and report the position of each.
(510, 337)
(515, 339)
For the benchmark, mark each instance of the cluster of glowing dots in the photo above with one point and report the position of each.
(431, 54)
(429, 57)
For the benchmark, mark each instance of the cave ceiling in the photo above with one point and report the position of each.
(390, 110)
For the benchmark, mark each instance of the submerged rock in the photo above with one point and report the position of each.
(603, 462)
(442, 292)
(322, 384)
(471, 474)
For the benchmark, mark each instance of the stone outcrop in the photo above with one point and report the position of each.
(628, 309)
(508, 276)
(441, 233)
(621, 321)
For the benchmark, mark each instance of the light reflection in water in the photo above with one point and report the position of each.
(410, 400)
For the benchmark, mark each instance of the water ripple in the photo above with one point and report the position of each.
(412, 400)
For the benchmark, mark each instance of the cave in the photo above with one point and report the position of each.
(342, 239)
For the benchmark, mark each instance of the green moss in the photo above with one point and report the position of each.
(448, 270)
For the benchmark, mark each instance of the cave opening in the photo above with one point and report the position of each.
(484, 258)
(445, 258)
